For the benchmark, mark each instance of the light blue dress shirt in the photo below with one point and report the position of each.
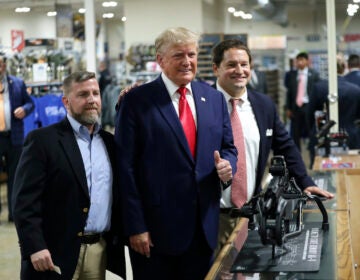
(99, 176)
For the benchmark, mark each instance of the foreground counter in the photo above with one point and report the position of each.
(341, 244)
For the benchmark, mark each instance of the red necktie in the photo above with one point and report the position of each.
(187, 120)
(239, 181)
(301, 90)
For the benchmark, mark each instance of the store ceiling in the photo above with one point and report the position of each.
(45, 5)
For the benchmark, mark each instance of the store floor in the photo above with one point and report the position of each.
(10, 252)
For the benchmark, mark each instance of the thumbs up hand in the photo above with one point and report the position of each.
(223, 167)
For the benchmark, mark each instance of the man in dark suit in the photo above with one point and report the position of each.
(299, 89)
(348, 106)
(66, 199)
(262, 129)
(353, 76)
(171, 169)
(15, 105)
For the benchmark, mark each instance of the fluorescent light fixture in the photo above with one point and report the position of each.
(51, 14)
(243, 15)
(108, 15)
(237, 14)
(231, 10)
(247, 16)
(352, 9)
(109, 4)
(82, 10)
(22, 10)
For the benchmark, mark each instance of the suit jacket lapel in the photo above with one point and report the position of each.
(261, 123)
(163, 102)
(203, 115)
(72, 151)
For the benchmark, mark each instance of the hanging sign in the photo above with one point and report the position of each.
(17, 40)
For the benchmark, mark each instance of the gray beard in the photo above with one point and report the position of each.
(87, 119)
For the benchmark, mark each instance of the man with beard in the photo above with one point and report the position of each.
(66, 193)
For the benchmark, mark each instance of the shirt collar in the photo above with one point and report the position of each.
(227, 96)
(81, 129)
(304, 71)
(171, 86)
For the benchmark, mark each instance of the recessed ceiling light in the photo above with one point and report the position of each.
(51, 14)
(109, 4)
(22, 10)
(108, 15)
(123, 18)
(82, 10)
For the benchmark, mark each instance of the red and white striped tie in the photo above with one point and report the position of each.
(239, 181)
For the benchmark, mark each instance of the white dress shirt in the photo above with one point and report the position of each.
(252, 143)
(175, 97)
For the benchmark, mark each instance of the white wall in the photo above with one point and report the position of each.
(147, 19)
(115, 35)
(33, 24)
(213, 17)
(302, 22)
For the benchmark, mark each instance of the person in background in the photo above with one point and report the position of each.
(261, 131)
(66, 193)
(258, 80)
(348, 106)
(175, 146)
(105, 76)
(299, 89)
(15, 105)
(353, 76)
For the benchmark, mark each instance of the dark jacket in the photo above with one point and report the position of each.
(51, 199)
(18, 98)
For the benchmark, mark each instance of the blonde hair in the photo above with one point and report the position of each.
(175, 36)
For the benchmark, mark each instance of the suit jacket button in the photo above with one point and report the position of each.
(85, 210)
(80, 233)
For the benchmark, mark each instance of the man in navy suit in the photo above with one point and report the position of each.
(353, 76)
(348, 105)
(295, 111)
(16, 104)
(171, 192)
(263, 131)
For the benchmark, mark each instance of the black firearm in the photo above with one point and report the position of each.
(278, 209)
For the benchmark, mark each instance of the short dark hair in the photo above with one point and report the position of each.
(76, 77)
(353, 61)
(219, 50)
(302, 55)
